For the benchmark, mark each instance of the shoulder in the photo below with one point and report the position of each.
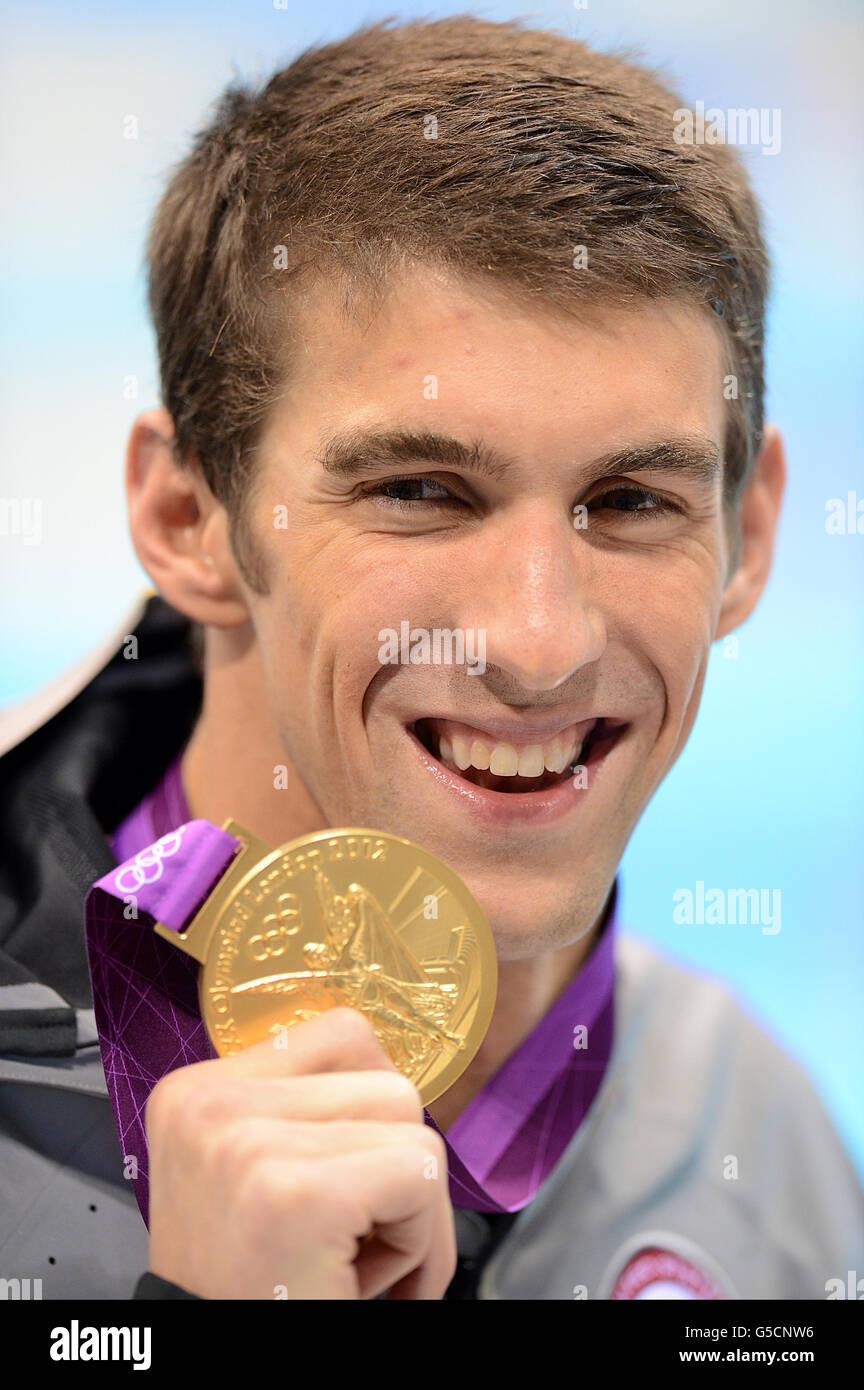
(695, 1026)
(693, 1062)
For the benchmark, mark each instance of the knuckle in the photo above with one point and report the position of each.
(432, 1143)
(409, 1157)
(190, 1103)
(450, 1255)
(166, 1100)
(232, 1150)
(277, 1190)
(208, 1107)
(402, 1096)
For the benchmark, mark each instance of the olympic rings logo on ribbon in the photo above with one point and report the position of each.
(147, 865)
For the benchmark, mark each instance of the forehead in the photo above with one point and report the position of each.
(438, 348)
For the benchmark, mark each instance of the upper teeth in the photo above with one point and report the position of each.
(504, 760)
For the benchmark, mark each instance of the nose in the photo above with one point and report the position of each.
(534, 594)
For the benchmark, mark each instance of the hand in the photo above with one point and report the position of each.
(300, 1171)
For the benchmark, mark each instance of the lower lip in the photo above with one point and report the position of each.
(521, 808)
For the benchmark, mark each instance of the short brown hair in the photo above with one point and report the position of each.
(541, 145)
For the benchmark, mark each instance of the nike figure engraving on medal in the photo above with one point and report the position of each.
(346, 917)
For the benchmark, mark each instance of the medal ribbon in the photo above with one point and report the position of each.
(145, 991)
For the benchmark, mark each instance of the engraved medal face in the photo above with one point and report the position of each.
(361, 919)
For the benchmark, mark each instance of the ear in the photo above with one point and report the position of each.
(179, 529)
(758, 514)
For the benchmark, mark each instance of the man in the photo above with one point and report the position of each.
(453, 331)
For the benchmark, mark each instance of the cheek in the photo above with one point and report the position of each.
(322, 626)
(382, 589)
(669, 616)
(681, 645)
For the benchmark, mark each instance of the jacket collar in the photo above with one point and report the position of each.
(69, 779)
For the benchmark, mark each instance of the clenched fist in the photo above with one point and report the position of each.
(300, 1171)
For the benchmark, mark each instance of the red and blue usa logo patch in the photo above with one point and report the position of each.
(664, 1264)
(657, 1273)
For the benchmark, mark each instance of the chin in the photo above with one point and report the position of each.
(537, 916)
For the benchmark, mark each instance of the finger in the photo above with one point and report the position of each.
(337, 1040)
(434, 1260)
(325, 1096)
(405, 1150)
(410, 1216)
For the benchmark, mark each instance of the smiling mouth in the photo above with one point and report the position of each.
(497, 765)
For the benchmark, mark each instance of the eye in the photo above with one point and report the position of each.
(633, 501)
(404, 493)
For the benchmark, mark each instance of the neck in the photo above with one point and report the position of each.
(230, 765)
(228, 771)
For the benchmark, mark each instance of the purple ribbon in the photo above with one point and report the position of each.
(145, 991)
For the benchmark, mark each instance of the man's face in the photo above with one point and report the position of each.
(597, 622)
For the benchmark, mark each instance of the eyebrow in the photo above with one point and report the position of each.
(359, 452)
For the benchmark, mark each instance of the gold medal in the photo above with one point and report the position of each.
(346, 917)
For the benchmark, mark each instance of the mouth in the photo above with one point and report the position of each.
(541, 775)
